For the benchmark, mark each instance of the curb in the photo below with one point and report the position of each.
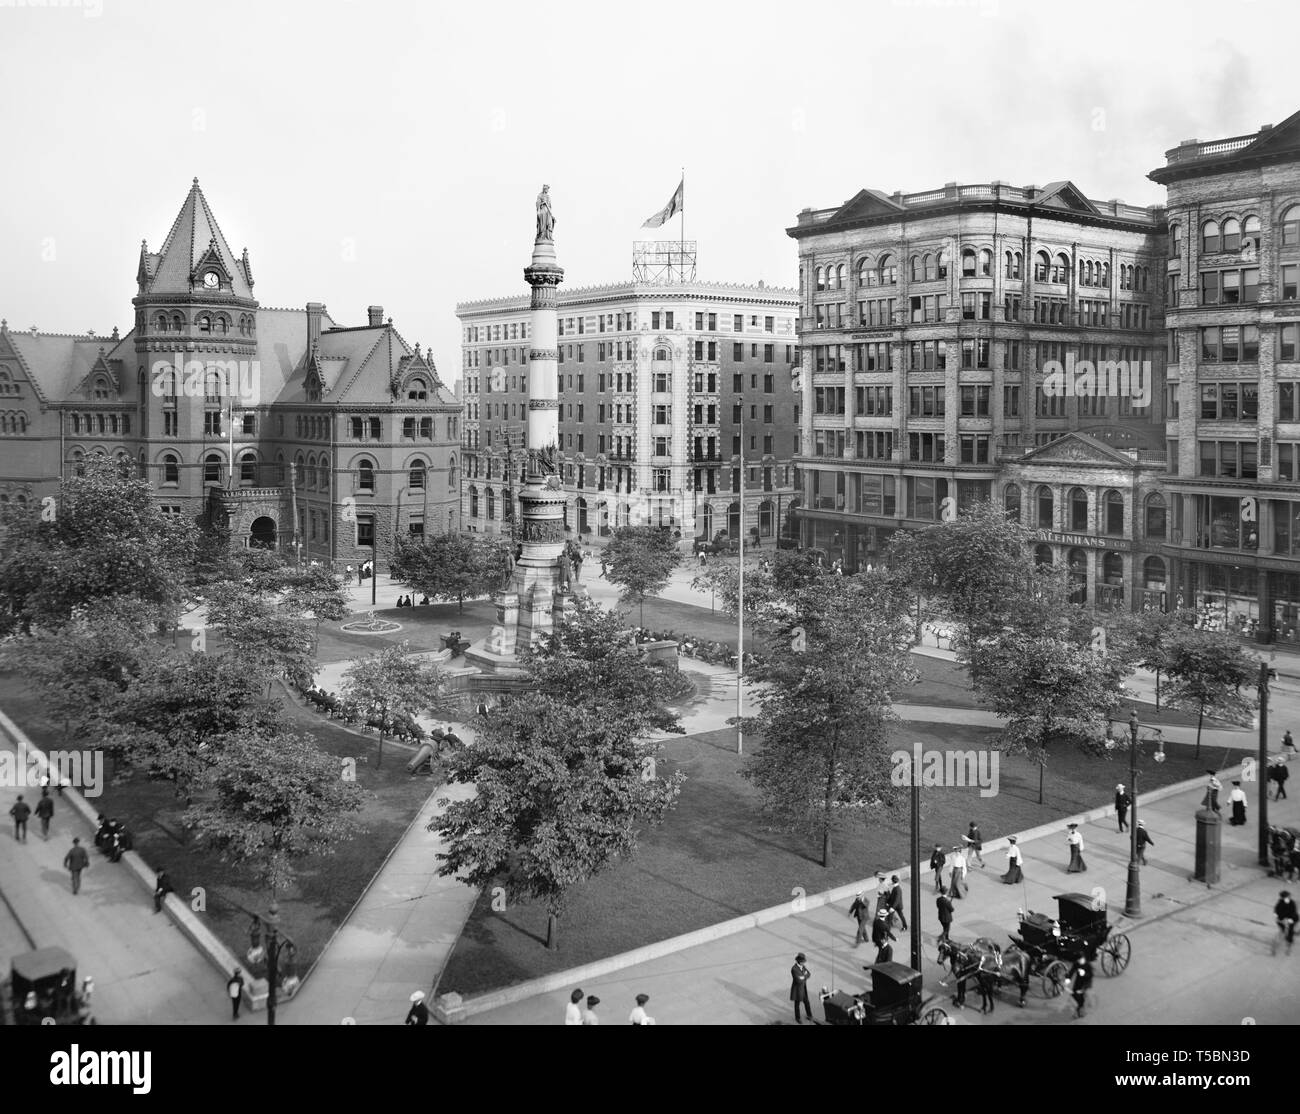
(452, 1008)
(203, 939)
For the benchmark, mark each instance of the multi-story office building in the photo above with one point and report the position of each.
(292, 430)
(1233, 424)
(656, 380)
(943, 335)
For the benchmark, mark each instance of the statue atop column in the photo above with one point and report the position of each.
(545, 219)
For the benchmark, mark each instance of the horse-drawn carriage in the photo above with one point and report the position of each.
(894, 999)
(42, 989)
(1080, 928)
(1282, 843)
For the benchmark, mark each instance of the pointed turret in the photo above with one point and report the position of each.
(195, 256)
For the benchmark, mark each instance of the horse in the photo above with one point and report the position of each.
(983, 955)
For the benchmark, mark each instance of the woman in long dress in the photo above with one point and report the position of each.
(957, 862)
(1014, 874)
(1238, 801)
(1075, 840)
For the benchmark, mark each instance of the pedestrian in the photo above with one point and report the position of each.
(1121, 805)
(20, 812)
(957, 863)
(1288, 746)
(122, 843)
(76, 860)
(1143, 839)
(45, 812)
(161, 888)
(104, 833)
(1014, 874)
(1285, 911)
(418, 1014)
(1075, 842)
(1080, 984)
(896, 900)
(640, 1017)
(589, 1014)
(988, 982)
(1238, 801)
(936, 864)
(1212, 788)
(1279, 773)
(944, 904)
(861, 911)
(799, 976)
(349, 576)
(235, 992)
(881, 934)
(573, 1011)
(975, 842)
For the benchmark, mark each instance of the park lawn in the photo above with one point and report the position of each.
(327, 886)
(712, 860)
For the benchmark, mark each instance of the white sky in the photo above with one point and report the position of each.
(390, 152)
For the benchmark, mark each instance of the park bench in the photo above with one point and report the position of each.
(455, 643)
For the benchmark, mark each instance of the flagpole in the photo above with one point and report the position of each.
(740, 639)
(681, 232)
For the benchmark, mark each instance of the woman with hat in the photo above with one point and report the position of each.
(1238, 801)
(418, 1014)
(640, 1017)
(799, 976)
(1014, 874)
(573, 1011)
(1075, 841)
(589, 1014)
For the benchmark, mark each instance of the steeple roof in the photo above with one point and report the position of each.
(195, 240)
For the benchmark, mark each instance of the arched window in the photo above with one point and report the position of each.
(1155, 517)
(1061, 271)
(212, 469)
(417, 390)
(365, 475)
(76, 423)
(415, 478)
(1210, 241)
(300, 468)
(986, 262)
(1175, 241)
(205, 323)
(162, 323)
(323, 476)
(1291, 227)
(1042, 266)
(1078, 564)
(473, 501)
(1112, 568)
(968, 262)
(942, 262)
(866, 276)
(1232, 234)
(1078, 510)
(491, 503)
(839, 277)
(1011, 502)
(888, 271)
(451, 472)
(1042, 555)
(279, 467)
(178, 322)
(1105, 274)
(918, 269)
(1044, 507)
(1085, 272)
(1153, 572)
(1114, 520)
(928, 265)
(1250, 229)
(821, 279)
(78, 462)
(248, 469)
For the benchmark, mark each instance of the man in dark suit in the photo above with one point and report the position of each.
(896, 900)
(799, 976)
(861, 910)
(881, 935)
(944, 904)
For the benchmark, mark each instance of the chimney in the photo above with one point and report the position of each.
(315, 310)
(376, 315)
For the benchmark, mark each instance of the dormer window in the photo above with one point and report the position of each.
(100, 390)
(417, 390)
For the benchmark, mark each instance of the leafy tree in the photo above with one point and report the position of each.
(1046, 683)
(269, 640)
(560, 791)
(453, 566)
(825, 704)
(316, 593)
(390, 685)
(640, 560)
(1150, 637)
(1207, 670)
(102, 536)
(272, 800)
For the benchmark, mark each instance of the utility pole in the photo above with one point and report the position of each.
(1265, 674)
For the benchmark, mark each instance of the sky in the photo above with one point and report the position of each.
(388, 152)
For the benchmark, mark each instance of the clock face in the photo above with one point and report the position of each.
(211, 280)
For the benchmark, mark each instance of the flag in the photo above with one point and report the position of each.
(674, 206)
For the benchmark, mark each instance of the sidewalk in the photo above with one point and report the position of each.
(145, 970)
(1199, 955)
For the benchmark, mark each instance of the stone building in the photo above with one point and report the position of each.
(297, 432)
(655, 380)
(1233, 422)
(986, 342)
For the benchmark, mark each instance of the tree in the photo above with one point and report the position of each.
(769, 580)
(272, 800)
(560, 790)
(1045, 683)
(453, 566)
(315, 593)
(1207, 670)
(825, 704)
(390, 685)
(640, 560)
(269, 640)
(1152, 636)
(102, 536)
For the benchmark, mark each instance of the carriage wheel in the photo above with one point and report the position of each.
(936, 1016)
(1055, 975)
(1115, 954)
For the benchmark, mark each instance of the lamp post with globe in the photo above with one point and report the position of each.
(1133, 894)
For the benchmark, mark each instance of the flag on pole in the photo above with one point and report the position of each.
(674, 206)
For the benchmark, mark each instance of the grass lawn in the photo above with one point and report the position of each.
(711, 860)
(327, 886)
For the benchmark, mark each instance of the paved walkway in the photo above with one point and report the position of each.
(145, 970)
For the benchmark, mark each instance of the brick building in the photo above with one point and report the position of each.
(298, 432)
(655, 379)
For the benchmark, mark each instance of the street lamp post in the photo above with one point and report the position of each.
(1133, 896)
(1265, 673)
(274, 943)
